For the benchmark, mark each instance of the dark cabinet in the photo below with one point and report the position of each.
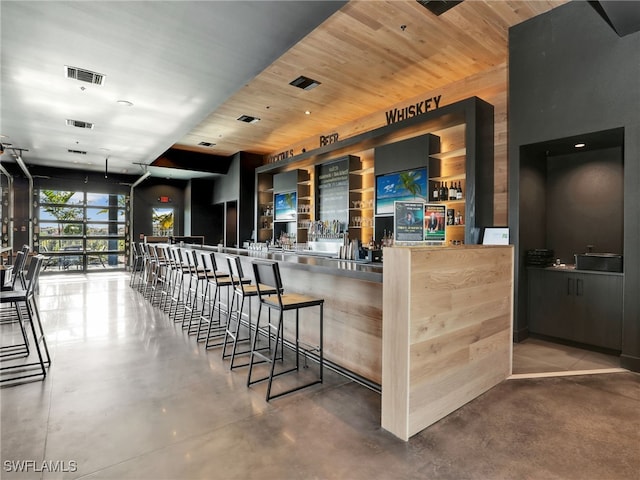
(583, 307)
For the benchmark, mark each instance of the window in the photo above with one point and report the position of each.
(82, 230)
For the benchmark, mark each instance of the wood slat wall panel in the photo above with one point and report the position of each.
(352, 316)
(455, 328)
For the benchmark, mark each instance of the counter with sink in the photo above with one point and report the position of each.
(577, 304)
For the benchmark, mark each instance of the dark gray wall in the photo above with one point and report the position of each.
(405, 155)
(204, 220)
(585, 191)
(237, 186)
(570, 73)
(285, 182)
(145, 199)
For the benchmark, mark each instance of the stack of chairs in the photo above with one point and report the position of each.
(27, 357)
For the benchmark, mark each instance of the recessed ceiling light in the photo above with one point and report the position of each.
(580, 145)
(125, 103)
(248, 119)
(304, 83)
(307, 112)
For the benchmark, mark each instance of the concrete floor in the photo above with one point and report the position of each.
(130, 396)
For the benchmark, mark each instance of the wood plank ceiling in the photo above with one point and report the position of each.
(367, 56)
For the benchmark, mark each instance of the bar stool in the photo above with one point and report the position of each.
(214, 302)
(158, 274)
(199, 274)
(147, 271)
(24, 301)
(17, 272)
(177, 298)
(268, 273)
(7, 315)
(165, 276)
(237, 317)
(138, 258)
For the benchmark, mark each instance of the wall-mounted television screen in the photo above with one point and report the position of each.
(405, 186)
(285, 206)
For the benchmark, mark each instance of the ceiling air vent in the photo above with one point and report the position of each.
(304, 83)
(438, 7)
(206, 144)
(77, 152)
(248, 119)
(79, 124)
(84, 75)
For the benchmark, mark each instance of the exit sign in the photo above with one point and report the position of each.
(164, 199)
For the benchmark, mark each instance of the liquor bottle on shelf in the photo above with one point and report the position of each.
(459, 192)
(436, 192)
(452, 191)
(444, 191)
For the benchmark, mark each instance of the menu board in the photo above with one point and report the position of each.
(408, 219)
(333, 191)
(434, 222)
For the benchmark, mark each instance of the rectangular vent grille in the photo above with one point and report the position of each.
(248, 119)
(304, 83)
(84, 75)
(438, 7)
(79, 124)
(206, 144)
(77, 152)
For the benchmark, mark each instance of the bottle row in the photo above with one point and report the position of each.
(441, 192)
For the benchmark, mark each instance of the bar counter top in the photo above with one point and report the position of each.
(360, 270)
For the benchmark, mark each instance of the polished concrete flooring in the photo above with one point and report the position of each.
(130, 396)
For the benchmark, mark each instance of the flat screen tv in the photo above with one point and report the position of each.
(405, 186)
(285, 206)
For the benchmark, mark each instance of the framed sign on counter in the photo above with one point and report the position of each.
(435, 222)
(408, 220)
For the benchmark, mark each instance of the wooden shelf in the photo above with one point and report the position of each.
(363, 171)
(451, 154)
(448, 178)
(362, 190)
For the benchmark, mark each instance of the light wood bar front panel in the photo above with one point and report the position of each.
(447, 323)
(352, 316)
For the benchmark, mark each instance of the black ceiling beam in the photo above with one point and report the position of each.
(194, 161)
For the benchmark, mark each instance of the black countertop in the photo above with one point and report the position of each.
(371, 272)
(572, 269)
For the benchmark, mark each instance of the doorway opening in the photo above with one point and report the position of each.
(571, 201)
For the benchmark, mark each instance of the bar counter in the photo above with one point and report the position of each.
(360, 270)
(352, 310)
